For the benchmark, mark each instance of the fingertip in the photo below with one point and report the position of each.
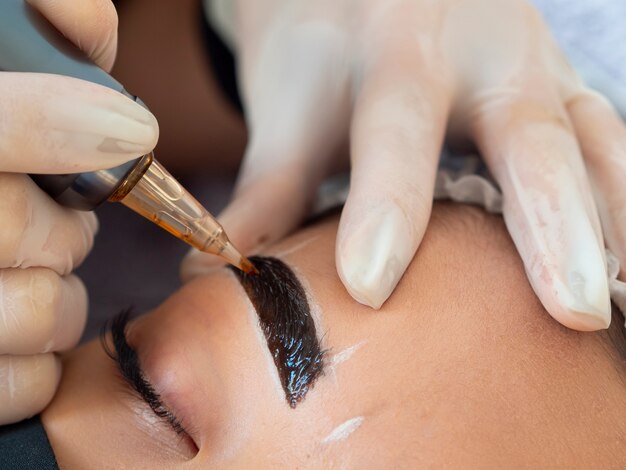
(91, 25)
(370, 287)
(586, 305)
(578, 300)
(363, 294)
(373, 253)
(31, 384)
(106, 52)
(582, 320)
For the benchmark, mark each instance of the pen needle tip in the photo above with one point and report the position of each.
(247, 267)
(234, 257)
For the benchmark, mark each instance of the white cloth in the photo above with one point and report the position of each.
(593, 35)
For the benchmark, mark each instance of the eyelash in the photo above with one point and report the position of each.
(127, 361)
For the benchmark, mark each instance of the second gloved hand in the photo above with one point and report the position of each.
(390, 76)
(53, 124)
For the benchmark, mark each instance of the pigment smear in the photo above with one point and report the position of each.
(285, 317)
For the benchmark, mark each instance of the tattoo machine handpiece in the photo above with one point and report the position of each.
(29, 43)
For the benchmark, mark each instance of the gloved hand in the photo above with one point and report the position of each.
(51, 124)
(392, 76)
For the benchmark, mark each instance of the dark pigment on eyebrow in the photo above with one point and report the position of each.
(285, 317)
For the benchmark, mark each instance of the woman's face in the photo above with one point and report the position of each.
(460, 367)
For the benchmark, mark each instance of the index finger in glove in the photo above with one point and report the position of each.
(90, 24)
(27, 384)
(396, 137)
(528, 142)
(36, 231)
(602, 136)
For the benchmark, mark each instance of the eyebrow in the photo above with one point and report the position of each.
(615, 337)
(285, 317)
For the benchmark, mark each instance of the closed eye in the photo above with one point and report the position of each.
(129, 368)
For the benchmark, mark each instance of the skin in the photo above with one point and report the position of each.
(461, 369)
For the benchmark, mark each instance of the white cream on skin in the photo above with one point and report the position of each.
(344, 355)
(343, 431)
(340, 358)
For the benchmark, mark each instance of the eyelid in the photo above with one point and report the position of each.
(156, 405)
(134, 379)
(164, 415)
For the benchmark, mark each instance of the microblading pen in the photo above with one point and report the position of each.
(29, 43)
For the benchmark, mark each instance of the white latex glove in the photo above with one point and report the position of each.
(52, 124)
(391, 76)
